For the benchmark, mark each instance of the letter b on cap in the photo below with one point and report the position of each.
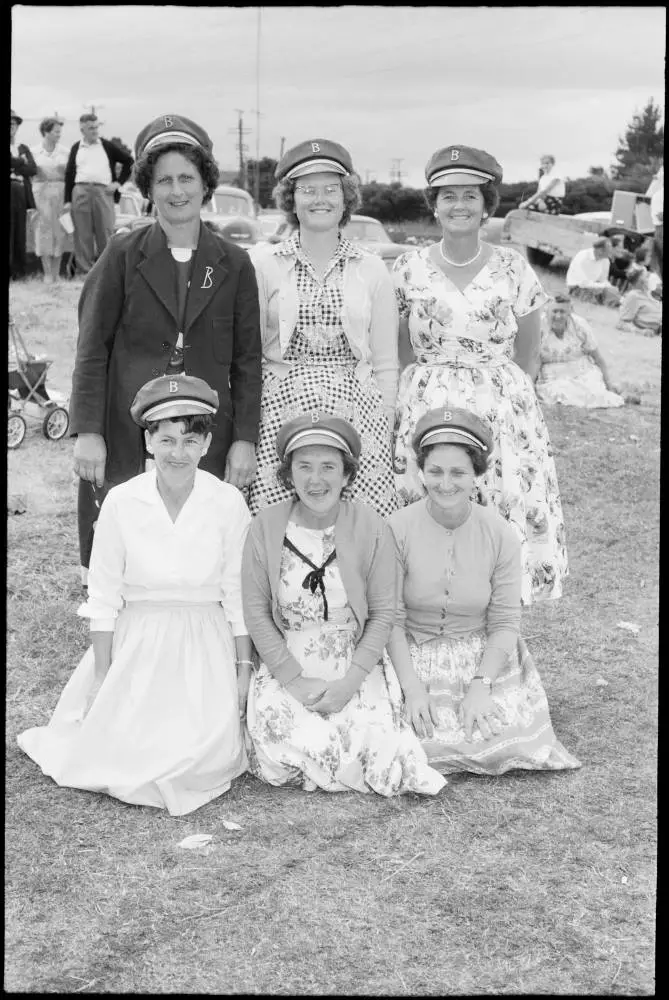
(168, 121)
(173, 386)
(455, 154)
(315, 147)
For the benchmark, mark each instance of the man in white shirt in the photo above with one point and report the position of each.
(550, 191)
(91, 188)
(588, 274)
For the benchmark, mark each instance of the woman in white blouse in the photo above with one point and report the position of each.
(152, 714)
(51, 239)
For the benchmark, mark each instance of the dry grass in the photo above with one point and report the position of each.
(525, 884)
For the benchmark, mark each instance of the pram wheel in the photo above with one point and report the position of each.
(56, 423)
(16, 430)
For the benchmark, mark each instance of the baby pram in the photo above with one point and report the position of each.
(26, 380)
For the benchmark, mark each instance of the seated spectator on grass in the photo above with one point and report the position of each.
(319, 590)
(152, 714)
(639, 310)
(588, 274)
(471, 689)
(644, 256)
(550, 191)
(620, 262)
(573, 372)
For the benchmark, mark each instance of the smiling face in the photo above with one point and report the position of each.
(177, 189)
(176, 452)
(317, 472)
(449, 477)
(559, 317)
(319, 201)
(460, 208)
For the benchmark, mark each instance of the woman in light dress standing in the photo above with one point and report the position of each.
(470, 335)
(51, 239)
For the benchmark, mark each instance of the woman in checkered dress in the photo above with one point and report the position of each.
(329, 324)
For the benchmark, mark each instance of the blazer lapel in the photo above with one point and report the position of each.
(207, 276)
(157, 270)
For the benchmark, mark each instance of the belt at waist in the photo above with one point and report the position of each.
(101, 184)
(464, 361)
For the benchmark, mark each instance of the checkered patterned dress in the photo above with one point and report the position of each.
(322, 377)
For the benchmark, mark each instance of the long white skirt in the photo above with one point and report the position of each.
(164, 729)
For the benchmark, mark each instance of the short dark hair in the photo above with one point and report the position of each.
(283, 472)
(479, 460)
(562, 299)
(488, 190)
(195, 423)
(87, 117)
(48, 124)
(284, 197)
(204, 163)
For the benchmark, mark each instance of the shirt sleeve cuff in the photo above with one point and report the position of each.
(103, 624)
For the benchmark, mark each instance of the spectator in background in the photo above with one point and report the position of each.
(21, 169)
(551, 190)
(588, 274)
(620, 262)
(639, 310)
(656, 194)
(91, 188)
(643, 257)
(51, 158)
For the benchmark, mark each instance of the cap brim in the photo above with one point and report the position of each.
(166, 138)
(180, 408)
(452, 177)
(441, 435)
(316, 167)
(308, 437)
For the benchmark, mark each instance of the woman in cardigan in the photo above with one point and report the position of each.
(329, 324)
(471, 689)
(319, 594)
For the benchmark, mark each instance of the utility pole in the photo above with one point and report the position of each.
(256, 186)
(241, 146)
(93, 108)
(283, 143)
(395, 172)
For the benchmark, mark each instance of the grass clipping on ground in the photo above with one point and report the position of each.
(528, 883)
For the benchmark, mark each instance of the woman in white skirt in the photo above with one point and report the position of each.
(151, 715)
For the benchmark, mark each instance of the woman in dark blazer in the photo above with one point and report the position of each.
(171, 297)
(22, 167)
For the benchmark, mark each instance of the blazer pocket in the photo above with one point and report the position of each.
(222, 333)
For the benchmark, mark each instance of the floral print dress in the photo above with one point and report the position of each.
(568, 374)
(463, 342)
(367, 746)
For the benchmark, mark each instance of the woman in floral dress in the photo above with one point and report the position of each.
(470, 333)
(319, 590)
(51, 240)
(471, 689)
(329, 324)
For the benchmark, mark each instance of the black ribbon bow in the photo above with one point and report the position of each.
(314, 579)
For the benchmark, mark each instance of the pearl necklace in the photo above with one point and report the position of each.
(454, 263)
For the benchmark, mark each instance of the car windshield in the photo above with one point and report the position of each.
(370, 232)
(230, 204)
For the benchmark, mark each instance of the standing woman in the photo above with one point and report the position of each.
(470, 333)
(51, 157)
(21, 168)
(168, 298)
(329, 324)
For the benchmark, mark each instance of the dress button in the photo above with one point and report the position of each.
(166, 345)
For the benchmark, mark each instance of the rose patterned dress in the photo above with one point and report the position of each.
(568, 374)
(366, 746)
(463, 343)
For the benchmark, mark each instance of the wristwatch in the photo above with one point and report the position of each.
(482, 677)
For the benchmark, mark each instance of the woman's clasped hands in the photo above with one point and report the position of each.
(478, 706)
(326, 697)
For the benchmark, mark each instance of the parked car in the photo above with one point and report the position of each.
(228, 200)
(129, 207)
(363, 230)
(271, 223)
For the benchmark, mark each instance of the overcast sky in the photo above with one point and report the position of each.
(387, 82)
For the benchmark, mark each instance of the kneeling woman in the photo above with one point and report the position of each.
(319, 592)
(471, 689)
(151, 715)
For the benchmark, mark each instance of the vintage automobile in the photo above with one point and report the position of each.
(363, 230)
(547, 236)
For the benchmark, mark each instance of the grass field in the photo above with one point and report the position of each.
(526, 884)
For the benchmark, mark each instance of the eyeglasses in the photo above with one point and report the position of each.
(330, 190)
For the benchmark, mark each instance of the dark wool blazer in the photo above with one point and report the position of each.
(24, 166)
(114, 154)
(128, 327)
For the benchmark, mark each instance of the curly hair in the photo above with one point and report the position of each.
(195, 423)
(205, 163)
(488, 190)
(284, 198)
(48, 125)
(479, 460)
(284, 469)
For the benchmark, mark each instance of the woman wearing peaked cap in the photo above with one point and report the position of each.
(152, 713)
(329, 323)
(171, 297)
(319, 591)
(470, 333)
(470, 686)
